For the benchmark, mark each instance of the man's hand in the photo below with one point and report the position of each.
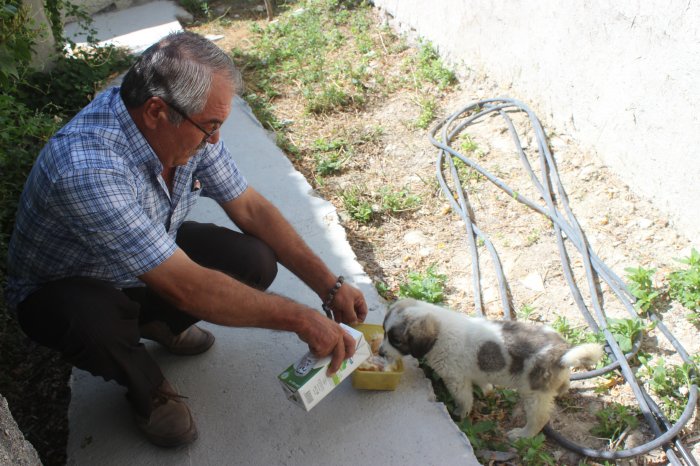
(326, 337)
(349, 306)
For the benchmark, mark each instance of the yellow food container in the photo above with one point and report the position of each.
(376, 380)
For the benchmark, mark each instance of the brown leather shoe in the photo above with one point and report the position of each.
(170, 423)
(193, 340)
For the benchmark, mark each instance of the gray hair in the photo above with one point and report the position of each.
(179, 69)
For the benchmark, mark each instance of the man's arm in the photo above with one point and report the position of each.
(256, 216)
(216, 297)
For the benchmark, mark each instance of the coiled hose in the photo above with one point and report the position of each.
(566, 227)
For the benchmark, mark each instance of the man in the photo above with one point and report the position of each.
(101, 255)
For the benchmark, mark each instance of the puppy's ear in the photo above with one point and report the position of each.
(422, 334)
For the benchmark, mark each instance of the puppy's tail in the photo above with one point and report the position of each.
(582, 355)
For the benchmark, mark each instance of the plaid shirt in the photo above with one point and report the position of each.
(95, 205)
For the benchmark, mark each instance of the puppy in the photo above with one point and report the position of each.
(462, 350)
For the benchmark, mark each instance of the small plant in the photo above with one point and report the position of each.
(480, 434)
(533, 237)
(670, 383)
(574, 335)
(429, 286)
(499, 399)
(197, 8)
(356, 204)
(329, 98)
(684, 285)
(525, 312)
(641, 286)
(626, 331)
(532, 451)
(613, 420)
(383, 289)
(331, 155)
(396, 202)
(467, 144)
(428, 106)
(431, 68)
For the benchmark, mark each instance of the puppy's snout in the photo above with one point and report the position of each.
(381, 351)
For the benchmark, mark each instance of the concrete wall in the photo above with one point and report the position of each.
(623, 78)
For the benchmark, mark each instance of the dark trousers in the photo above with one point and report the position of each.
(96, 326)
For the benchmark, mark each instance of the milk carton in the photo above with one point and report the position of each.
(306, 382)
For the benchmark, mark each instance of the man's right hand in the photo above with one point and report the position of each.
(326, 337)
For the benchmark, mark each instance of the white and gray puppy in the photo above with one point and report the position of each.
(463, 350)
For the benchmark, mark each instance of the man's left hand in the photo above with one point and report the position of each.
(349, 306)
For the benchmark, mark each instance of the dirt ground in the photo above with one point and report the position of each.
(623, 229)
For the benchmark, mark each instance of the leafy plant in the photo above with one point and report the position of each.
(331, 155)
(431, 68)
(525, 312)
(641, 286)
(613, 420)
(356, 204)
(574, 335)
(480, 434)
(428, 286)
(684, 285)
(428, 106)
(670, 383)
(18, 35)
(197, 8)
(398, 201)
(626, 331)
(532, 450)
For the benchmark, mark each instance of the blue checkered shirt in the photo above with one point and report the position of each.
(95, 205)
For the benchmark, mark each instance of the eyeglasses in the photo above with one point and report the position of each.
(208, 134)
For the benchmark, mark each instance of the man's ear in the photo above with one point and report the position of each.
(154, 111)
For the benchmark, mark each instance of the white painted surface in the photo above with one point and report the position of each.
(623, 78)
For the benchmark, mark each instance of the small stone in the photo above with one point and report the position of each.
(533, 282)
(415, 237)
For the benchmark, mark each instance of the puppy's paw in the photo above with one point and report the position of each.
(486, 388)
(517, 433)
(460, 412)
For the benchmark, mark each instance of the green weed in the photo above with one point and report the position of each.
(574, 335)
(525, 312)
(626, 331)
(613, 420)
(395, 202)
(431, 68)
(428, 107)
(532, 451)
(684, 285)
(669, 382)
(428, 286)
(641, 286)
(357, 205)
(482, 435)
(331, 155)
(198, 8)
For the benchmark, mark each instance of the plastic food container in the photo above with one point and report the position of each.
(376, 380)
